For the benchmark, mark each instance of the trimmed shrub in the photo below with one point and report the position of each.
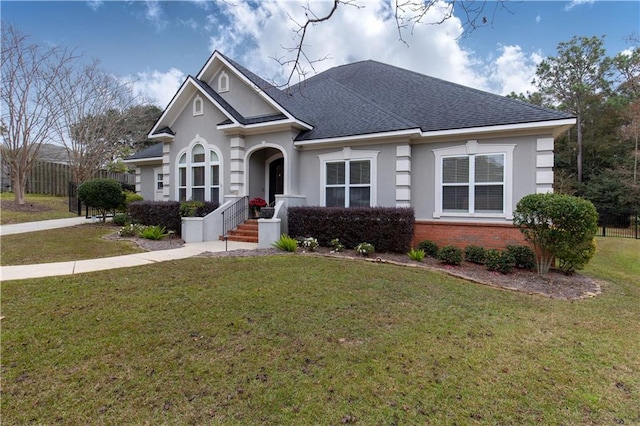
(417, 255)
(524, 257)
(163, 213)
(558, 226)
(474, 254)
(102, 194)
(501, 261)
(197, 208)
(121, 219)
(388, 229)
(286, 243)
(365, 249)
(450, 255)
(429, 247)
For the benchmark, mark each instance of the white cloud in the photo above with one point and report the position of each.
(155, 14)
(538, 19)
(575, 3)
(94, 4)
(513, 70)
(258, 32)
(157, 87)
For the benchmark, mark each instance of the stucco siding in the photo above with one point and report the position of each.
(147, 182)
(242, 97)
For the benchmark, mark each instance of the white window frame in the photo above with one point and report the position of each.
(471, 149)
(198, 106)
(346, 156)
(207, 164)
(223, 82)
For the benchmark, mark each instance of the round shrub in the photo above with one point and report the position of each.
(474, 254)
(102, 194)
(500, 261)
(130, 197)
(524, 257)
(365, 249)
(121, 219)
(450, 255)
(429, 247)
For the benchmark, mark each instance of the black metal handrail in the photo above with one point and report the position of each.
(235, 214)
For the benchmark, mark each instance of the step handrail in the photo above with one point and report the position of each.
(235, 214)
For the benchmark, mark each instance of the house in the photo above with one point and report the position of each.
(362, 134)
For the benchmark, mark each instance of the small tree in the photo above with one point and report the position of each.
(102, 194)
(558, 226)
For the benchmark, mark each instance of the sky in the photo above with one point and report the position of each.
(156, 44)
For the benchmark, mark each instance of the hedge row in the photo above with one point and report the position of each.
(163, 213)
(388, 229)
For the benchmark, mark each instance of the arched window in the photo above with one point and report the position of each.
(198, 106)
(199, 175)
(223, 82)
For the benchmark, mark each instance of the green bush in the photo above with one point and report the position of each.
(474, 254)
(524, 257)
(131, 230)
(501, 261)
(429, 247)
(162, 213)
(154, 232)
(365, 249)
(197, 208)
(450, 255)
(102, 194)
(559, 227)
(121, 219)
(308, 243)
(286, 243)
(336, 245)
(416, 254)
(129, 197)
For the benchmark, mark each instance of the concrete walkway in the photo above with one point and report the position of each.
(81, 266)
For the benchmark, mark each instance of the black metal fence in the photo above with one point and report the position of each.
(625, 224)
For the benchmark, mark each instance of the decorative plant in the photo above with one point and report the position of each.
(257, 203)
(429, 247)
(154, 232)
(309, 243)
(365, 249)
(501, 261)
(450, 255)
(416, 254)
(525, 257)
(190, 208)
(474, 254)
(131, 230)
(286, 243)
(336, 245)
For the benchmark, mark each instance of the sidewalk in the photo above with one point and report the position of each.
(20, 228)
(19, 272)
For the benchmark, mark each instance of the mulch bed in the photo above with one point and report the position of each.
(555, 285)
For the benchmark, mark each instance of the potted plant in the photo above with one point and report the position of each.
(255, 204)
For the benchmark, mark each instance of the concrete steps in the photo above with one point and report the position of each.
(246, 232)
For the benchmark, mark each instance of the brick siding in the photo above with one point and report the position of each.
(487, 235)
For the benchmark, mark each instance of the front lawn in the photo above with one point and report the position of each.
(311, 340)
(62, 245)
(37, 207)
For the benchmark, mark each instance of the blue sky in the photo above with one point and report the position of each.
(158, 43)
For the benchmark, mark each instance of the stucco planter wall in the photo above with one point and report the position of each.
(193, 229)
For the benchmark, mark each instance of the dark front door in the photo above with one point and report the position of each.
(276, 179)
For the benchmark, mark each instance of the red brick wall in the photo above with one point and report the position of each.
(487, 235)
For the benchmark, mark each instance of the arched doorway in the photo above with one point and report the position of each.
(266, 173)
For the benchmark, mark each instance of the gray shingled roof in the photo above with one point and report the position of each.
(370, 97)
(154, 151)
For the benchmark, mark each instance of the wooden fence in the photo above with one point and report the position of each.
(53, 179)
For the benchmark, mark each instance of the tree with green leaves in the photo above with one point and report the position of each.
(579, 72)
(102, 194)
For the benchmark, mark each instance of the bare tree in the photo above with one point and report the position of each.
(27, 103)
(407, 15)
(92, 102)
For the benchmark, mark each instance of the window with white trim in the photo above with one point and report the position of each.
(223, 82)
(199, 175)
(348, 178)
(474, 180)
(198, 106)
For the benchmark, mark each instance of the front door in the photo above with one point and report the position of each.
(276, 179)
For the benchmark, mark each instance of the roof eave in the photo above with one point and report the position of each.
(270, 126)
(143, 161)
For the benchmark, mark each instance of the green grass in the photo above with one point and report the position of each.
(53, 208)
(311, 340)
(61, 245)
